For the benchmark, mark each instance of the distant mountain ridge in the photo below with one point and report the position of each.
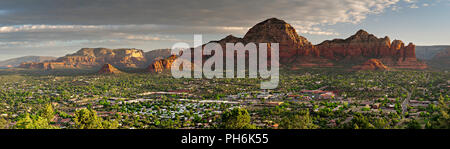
(14, 62)
(441, 60)
(428, 52)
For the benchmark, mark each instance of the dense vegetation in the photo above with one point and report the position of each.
(88, 101)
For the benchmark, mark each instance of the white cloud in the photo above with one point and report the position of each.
(121, 28)
(71, 23)
(37, 28)
(413, 6)
(331, 12)
(3, 12)
(234, 15)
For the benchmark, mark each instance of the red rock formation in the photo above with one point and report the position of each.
(363, 45)
(291, 44)
(295, 51)
(153, 55)
(108, 69)
(95, 57)
(160, 65)
(91, 57)
(371, 64)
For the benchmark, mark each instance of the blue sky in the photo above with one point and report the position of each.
(56, 28)
(426, 25)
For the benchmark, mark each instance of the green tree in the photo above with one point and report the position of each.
(88, 119)
(362, 121)
(48, 112)
(414, 124)
(238, 118)
(110, 124)
(34, 122)
(381, 123)
(443, 118)
(298, 121)
(3, 123)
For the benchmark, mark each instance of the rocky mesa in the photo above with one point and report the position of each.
(89, 57)
(96, 57)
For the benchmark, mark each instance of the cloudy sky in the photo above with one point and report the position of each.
(59, 27)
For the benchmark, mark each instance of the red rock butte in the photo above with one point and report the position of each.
(371, 64)
(108, 69)
(159, 65)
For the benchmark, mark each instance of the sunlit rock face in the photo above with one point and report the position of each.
(89, 57)
(95, 57)
(160, 65)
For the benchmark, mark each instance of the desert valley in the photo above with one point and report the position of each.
(362, 81)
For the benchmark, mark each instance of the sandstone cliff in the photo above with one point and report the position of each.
(159, 65)
(90, 57)
(95, 57)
